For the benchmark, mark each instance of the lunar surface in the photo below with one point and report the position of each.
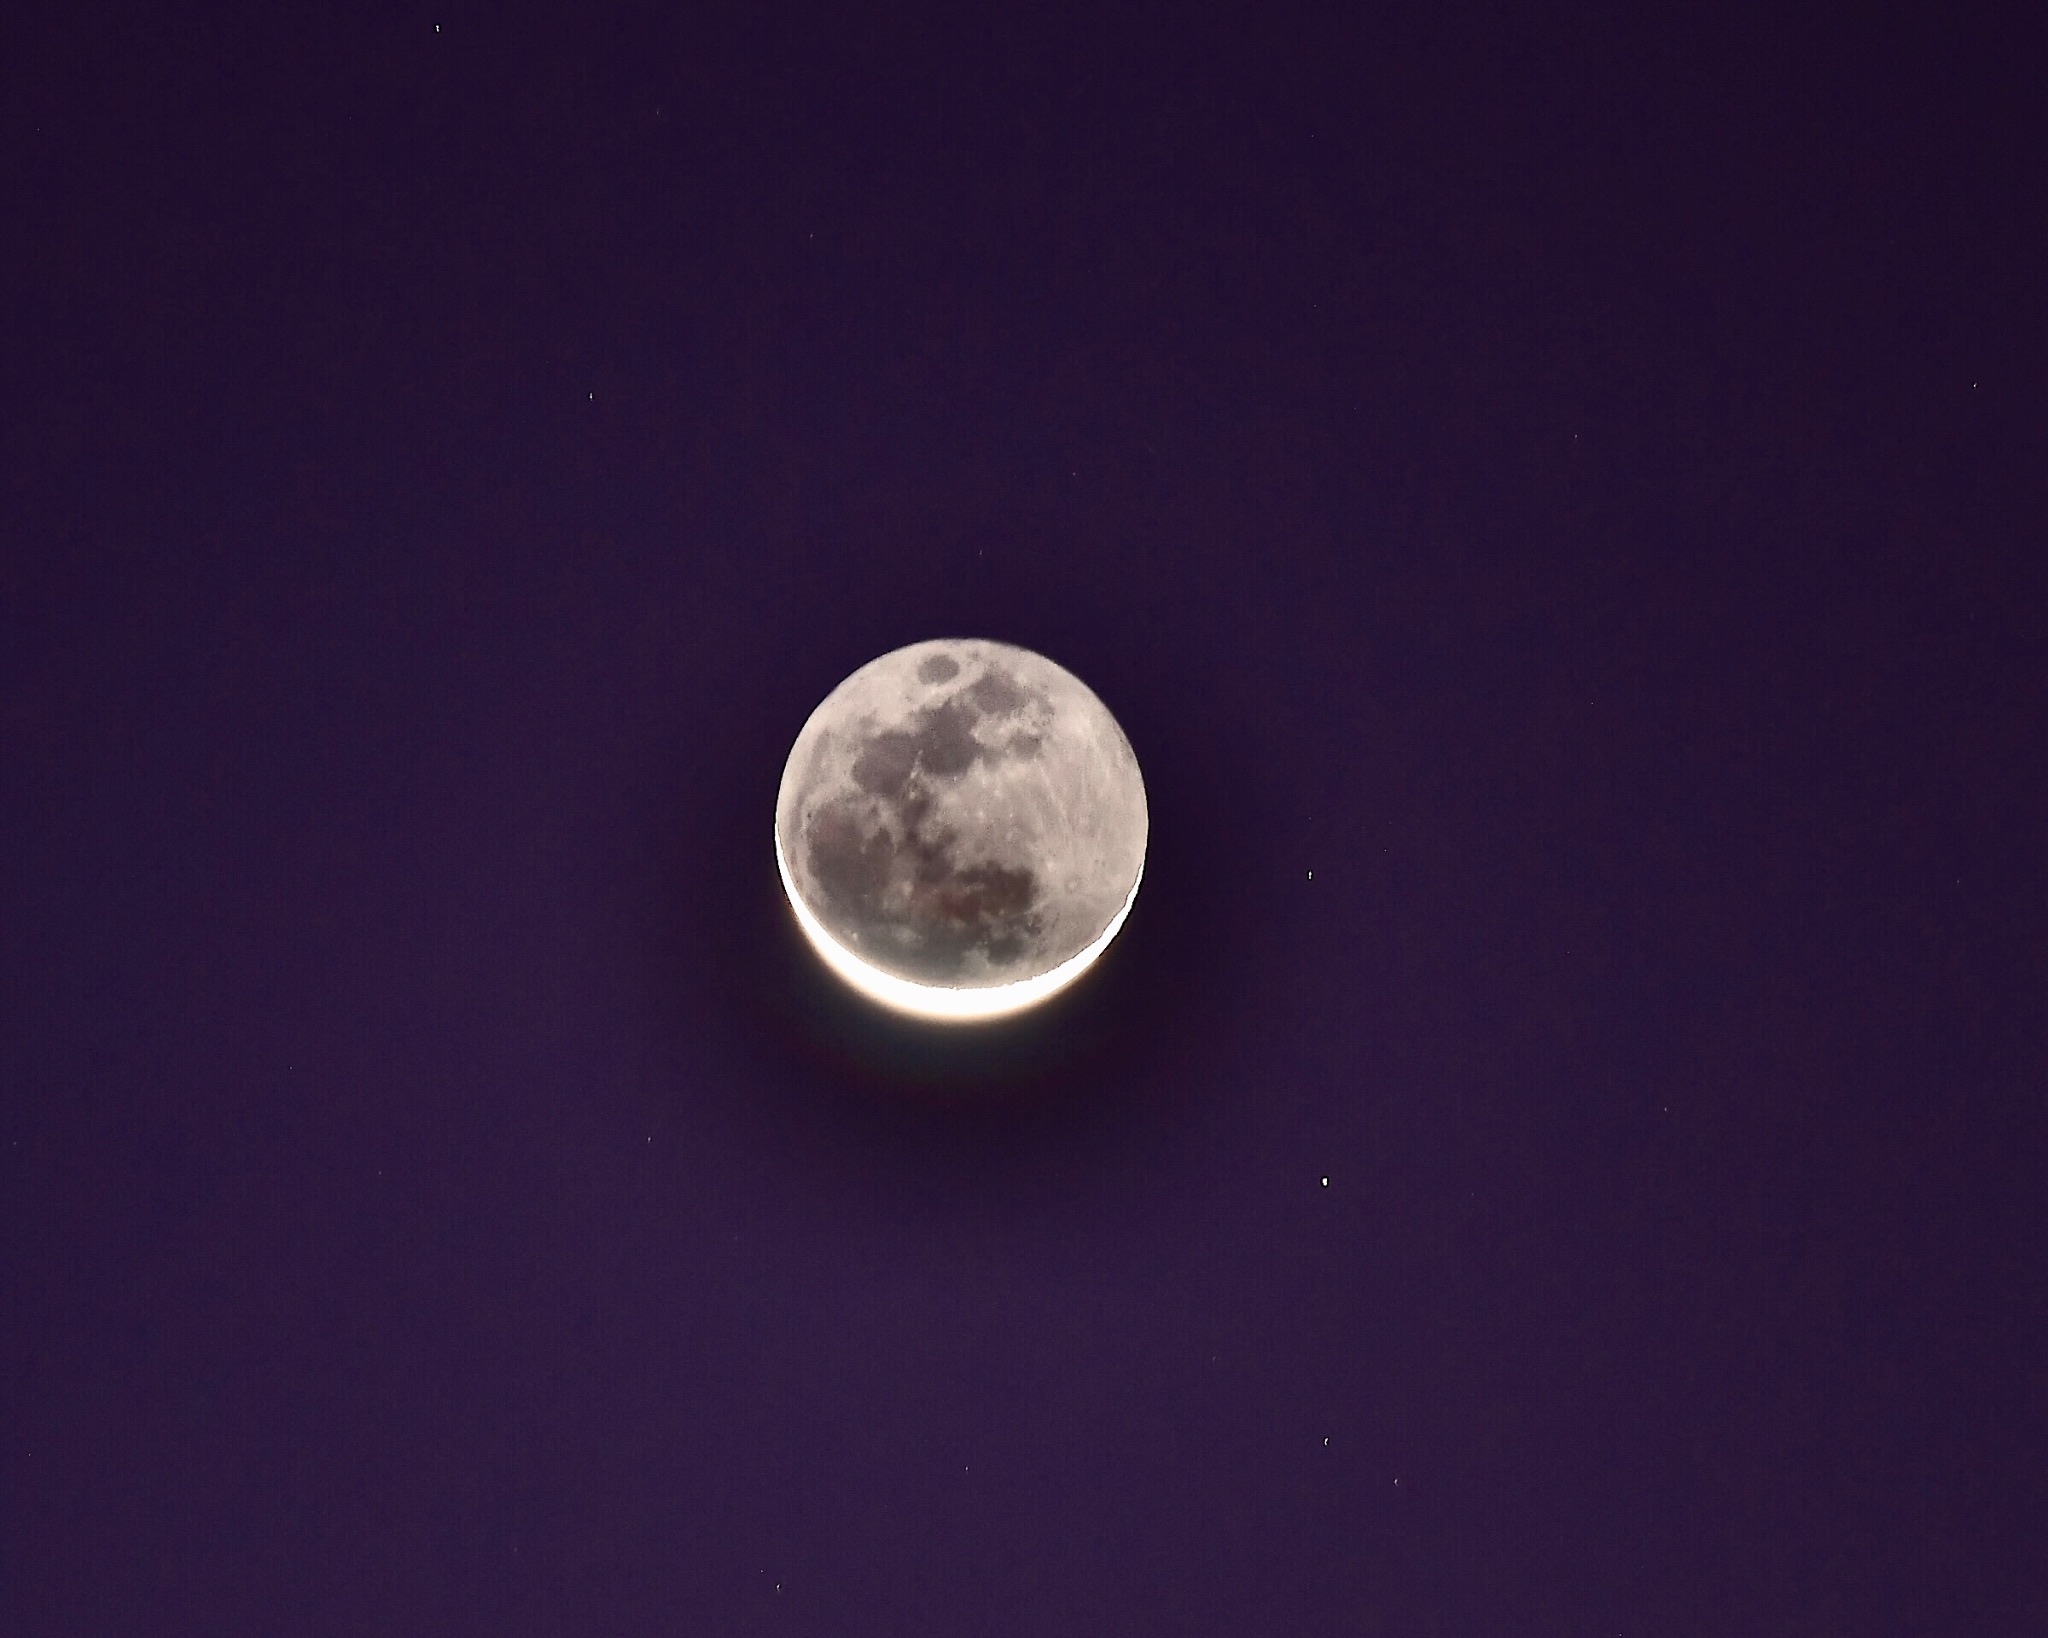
(961, 829)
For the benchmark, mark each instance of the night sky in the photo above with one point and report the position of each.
(1556, 501)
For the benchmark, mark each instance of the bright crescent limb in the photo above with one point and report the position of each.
(958, 1006)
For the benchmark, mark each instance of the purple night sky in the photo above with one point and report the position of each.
(1556, 500)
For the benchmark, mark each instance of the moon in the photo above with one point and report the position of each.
(961, 829)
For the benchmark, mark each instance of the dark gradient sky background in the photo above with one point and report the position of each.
(1571, 480)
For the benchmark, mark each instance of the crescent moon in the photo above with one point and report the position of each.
(961, 829)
